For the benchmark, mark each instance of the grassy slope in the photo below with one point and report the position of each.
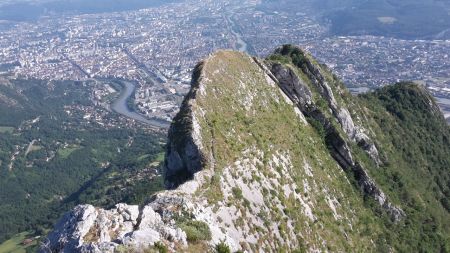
(274, 127)
(413, 140)
(14, 245)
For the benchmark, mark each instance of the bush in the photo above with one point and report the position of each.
(318, 127)
(237, 192)
(196, 230)
(161, 247)
(222, 248)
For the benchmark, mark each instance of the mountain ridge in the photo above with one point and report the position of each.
(267, 155)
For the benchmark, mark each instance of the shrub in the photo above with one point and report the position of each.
(237, 193)
(161, 247)
(222, 248)
(196, 230)
(318, 127)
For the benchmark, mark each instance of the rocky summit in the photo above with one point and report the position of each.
(275, 155)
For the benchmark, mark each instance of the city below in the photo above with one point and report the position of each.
(153, 51)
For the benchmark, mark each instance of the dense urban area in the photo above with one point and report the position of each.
(156, 49)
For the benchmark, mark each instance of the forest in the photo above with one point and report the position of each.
(51, 158)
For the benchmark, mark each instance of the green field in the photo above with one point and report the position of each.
(65, 152)
(142, 157)
(35, 148)
(6, 129)
(14, 245)
(160, 157)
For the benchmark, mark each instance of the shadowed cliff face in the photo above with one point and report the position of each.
(267, 155)
(183, 156)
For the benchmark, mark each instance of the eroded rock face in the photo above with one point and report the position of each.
(294, 87)
(354, 133)
(70, 231)
(88, 229)
(369, 186)
(183, 155)
(181, 164)
(301, 95)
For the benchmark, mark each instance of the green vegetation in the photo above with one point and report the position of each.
(71, 161)
(6, 129)
(161, 247)
(416, 141)
(222, 247)
(237, 193)
(195, 230)
(18, 244)
(67, 151)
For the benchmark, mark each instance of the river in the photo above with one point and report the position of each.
(444, 101)
(445, 104)
(239, 44)
(120, 106)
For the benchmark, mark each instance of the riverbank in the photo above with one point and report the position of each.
(121, 106)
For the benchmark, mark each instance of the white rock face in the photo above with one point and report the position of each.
(88, 229)
(142, 238)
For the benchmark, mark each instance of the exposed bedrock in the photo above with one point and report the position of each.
(298, 91)
(183, 155)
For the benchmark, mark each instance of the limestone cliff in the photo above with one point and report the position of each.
(264, 156)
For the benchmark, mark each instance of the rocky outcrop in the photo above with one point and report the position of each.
(354, 133)
(369, 187)
(294, 87)
(89, 229)
(184, 157)
(299, 92)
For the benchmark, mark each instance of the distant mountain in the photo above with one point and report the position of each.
(30, 11)
(276, 155)
(406, 19)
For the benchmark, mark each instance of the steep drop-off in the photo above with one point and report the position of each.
(275, 155)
